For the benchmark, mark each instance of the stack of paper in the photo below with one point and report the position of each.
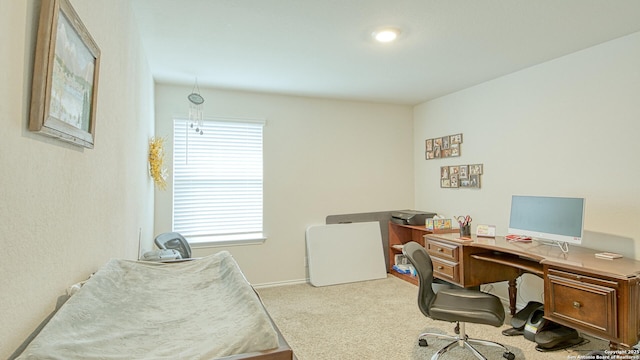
(608, 255)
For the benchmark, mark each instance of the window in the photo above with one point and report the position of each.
(217, 181)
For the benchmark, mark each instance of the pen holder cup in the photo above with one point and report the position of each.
(465, 231)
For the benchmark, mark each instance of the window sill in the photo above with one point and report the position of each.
(226, 240)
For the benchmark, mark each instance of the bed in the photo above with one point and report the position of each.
(199, 309)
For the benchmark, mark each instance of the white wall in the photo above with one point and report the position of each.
(568, 127)
(65, 210)
(321, 157)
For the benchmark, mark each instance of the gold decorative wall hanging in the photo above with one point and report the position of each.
(156, 162)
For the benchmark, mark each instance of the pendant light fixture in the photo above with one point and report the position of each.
(195, 109)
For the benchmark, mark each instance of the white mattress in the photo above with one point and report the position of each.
(201, 309)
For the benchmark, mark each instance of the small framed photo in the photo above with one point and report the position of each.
(463, 171)
(454, 150)
(446, 153)
(436, 152)
(474, 181)
(453, 181)
(464, 183)
(437, 142)
(486, 231)
(429, 144)
(444, 172)
(456, 139)
(475, 169)
(453, 170)
(445, 142)
(445, 183)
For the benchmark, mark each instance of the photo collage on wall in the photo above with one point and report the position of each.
(456, 176)
(461, 176)
(443, 147)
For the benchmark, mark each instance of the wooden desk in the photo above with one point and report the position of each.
(596, 296)
(401, 234)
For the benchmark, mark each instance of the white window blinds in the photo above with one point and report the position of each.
(217, 179)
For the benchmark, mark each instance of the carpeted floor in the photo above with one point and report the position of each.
(380, 319)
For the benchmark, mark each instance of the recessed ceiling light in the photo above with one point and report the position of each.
(386, 35)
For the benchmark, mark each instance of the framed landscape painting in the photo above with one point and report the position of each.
(65, 76)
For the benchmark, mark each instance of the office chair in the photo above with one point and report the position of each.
(174, 240)
(454, 305)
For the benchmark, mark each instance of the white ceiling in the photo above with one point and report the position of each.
(323, 48)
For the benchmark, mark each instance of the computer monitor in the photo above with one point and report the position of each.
(548, 219)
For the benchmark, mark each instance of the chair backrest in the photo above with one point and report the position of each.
(421, 260)
(174, 240)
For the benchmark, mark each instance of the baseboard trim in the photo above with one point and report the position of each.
(281, 283)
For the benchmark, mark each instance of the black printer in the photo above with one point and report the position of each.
(411, 217)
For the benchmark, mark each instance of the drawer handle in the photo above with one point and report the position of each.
(577, 305)
(440, 250)
(440, 267)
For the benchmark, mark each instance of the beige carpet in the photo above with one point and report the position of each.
(379, 319)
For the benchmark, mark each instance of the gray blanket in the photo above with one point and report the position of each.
(200, 309)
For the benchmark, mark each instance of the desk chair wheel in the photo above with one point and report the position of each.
(508, 355)
(457, 329)
(423, 343)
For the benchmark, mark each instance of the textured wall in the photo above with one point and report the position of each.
(65, 210)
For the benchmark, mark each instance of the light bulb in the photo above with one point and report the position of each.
(386, 35)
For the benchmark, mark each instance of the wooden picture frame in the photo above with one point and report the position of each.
(474, 181)
(443, 147)
(461, 176)
(445, 142)
(454, 150)
(65, 76)
(444, 172)
(454, 181)
(464, 171)
(475, 169)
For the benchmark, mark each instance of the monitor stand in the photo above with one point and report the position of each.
(563, 245)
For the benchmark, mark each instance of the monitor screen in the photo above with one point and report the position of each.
(547, 218)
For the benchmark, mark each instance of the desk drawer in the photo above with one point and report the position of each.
(445, 270)
(582, 302)
(442, 250)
